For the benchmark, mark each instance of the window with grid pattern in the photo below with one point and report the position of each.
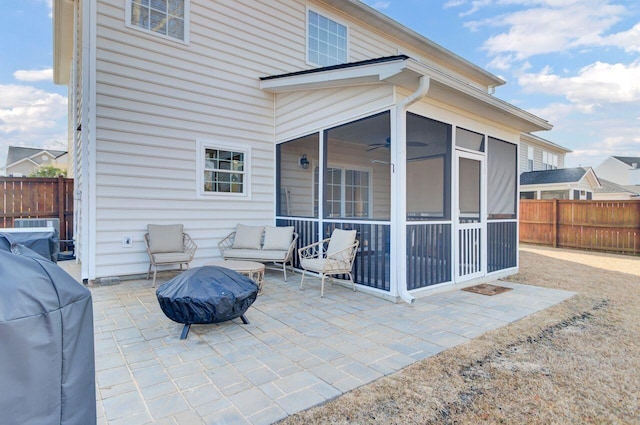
(222, 170)
(327, 41)
(164, 17)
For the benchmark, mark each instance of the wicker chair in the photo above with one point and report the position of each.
(167, 245)
(337, 258)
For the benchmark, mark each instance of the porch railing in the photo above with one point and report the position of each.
(372, 265)
(428, 254)
(502, 245)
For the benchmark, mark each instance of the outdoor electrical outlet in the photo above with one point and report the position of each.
(127, 241)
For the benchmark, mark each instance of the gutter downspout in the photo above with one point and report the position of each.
(401, 160)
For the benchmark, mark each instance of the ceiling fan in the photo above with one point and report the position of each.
(387, 144)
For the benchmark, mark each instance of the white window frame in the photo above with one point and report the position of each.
(343, 202)
(308, 36)
(187, 14)
(201, 146)
(549, 161)
(530, 158)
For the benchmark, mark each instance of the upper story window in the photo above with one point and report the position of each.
(222, 170)
(168, 18)
(326, 41)
(549, 161)
(530, 154)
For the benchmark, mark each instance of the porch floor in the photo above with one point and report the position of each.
(298, 351)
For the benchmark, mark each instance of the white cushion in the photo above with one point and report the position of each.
(277, 238)
(323, 265)
(165, 238)
(341, 239)
(248, 237)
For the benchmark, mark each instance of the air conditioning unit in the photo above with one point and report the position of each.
(22, 223)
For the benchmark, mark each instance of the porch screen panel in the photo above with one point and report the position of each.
(502, 172)
(296, 191)
(428, 169)
(357, 173)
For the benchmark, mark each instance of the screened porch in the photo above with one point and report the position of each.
(445, 214)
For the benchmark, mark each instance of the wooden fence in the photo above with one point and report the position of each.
(599, 225)
(35, 197)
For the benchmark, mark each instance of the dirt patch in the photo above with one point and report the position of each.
(576, 362)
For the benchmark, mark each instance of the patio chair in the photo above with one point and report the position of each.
(337, 258)
(167, 244)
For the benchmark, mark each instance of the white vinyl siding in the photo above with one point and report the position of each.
(155, 97)
(297, 112)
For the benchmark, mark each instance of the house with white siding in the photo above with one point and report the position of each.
(538, 154)
(311, 113)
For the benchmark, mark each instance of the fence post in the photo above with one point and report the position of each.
(554, 233)
(62, 207)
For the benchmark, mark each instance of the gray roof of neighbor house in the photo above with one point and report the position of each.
(562, 175)
(611, 187)
(629, 160)
(17, 153)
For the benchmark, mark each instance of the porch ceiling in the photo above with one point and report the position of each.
(406, 73)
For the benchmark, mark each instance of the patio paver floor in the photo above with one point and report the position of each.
(298, 351)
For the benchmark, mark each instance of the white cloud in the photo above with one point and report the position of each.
(453, 3)
(627, 40)
(501, 62)
(35, 75)
(380, 5)
(24, 109)
(31, 117)
(544, 30)
(554, 112)
(596, 84)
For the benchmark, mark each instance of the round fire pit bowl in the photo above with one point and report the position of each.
(205, 295)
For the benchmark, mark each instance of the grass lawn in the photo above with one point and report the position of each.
(577, 362)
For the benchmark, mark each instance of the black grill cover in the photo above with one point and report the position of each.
(208, 294)
(47, 371)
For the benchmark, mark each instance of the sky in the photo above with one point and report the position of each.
(575, 63)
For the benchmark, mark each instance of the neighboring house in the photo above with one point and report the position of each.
(317, 114)
(23, 161)
(566, 183)
(622, 170)
(538, 154)
(611, 191)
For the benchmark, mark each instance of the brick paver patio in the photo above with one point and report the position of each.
(298, 351)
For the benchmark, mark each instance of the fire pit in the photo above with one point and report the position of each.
(206, 294)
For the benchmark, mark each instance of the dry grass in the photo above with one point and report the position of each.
(578, 362)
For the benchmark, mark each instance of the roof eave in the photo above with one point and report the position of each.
(406, 73)
(369, 15)
(540, 140)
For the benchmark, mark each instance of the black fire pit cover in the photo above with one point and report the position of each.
(206, 294)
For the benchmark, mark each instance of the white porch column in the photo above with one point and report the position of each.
(399, 190)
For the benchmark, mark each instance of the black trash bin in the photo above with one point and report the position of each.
(47, 370)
